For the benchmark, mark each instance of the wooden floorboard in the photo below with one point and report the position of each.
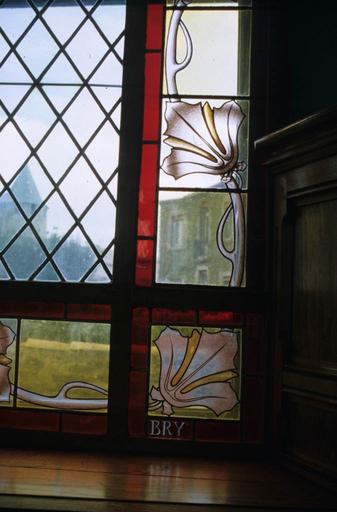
(77, 482)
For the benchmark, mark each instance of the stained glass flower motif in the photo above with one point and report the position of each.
(203, 139)
(195, 371)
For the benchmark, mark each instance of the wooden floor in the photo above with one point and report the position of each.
(32, 480)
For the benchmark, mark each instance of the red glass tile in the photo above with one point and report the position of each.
(154, 28)
(136, 426)
(179, 429)
(255, 325)
(137, 390)
(30, 420)
(252, 409)
(220, 318)
(139, 345)
(95, 424)
(147, 190)
(89, 312)
(217, 431)
(173, 316)
(32, 309)
(151, 96)
(144, 263)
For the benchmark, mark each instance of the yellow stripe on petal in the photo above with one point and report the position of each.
(208, 379)
(181, 144)
(192, 345)
(209, 118)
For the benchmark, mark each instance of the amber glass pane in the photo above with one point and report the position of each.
(194, 372)
(54, 354)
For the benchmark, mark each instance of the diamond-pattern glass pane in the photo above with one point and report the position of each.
(31, 187)
(34, 117)
(75, 257)
(57, 152)
(3, 47)
(83, 117)
(61, 72)
(13, 71)
(16, 151)
(81, 178)
(27, 245)
(107, 96)
(60, 222)
(109, 72)
(99, 222)
(11, 95)
(37, 48)
(111, 31)
(98, 275)
(12, 25)
(3, 272)
(53, 221)
(48, 273)
(13, 219)
(59, 95)
(80, 48)
(63, 26)
(102, 151)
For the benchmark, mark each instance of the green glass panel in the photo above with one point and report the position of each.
(56, 353)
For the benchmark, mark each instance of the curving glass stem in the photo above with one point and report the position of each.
(172, 66)
(237, 255)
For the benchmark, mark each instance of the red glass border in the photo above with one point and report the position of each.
(144, 263)
(173, 316)
(220, 318)
(32, 309)
(151, 96)
(93, 312)
(154, 27)
(147, 190)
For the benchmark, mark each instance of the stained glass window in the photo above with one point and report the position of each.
(200, 125)
(186, 375)
(60, 85)
(54, 364)
(117, 340)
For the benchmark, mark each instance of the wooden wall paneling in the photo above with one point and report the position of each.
(301, 163)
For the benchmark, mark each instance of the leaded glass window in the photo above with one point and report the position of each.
(60, 83)
(136, 331)
(202, 138)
